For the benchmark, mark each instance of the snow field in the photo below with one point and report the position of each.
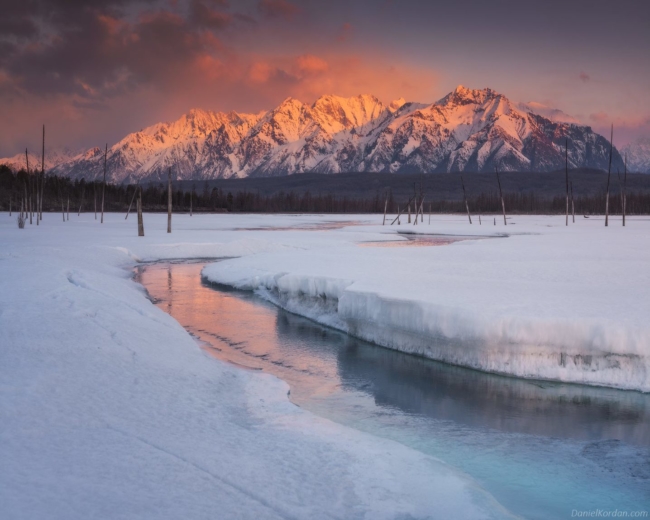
(110, 410)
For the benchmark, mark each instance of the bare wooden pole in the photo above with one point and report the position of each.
(465, 197)
(573, 205)
(140, 220)
(104, 183)
(68, 217)
(479, 220)
(625, 190)
(385, 208)
(31, 210)
(609, 173)
(169, 201)
(62, 211)
(566, 175)
(42, 174)
(132, 198)
(503, 206)
(26, 202)
(81, 202)
(399, 213)
(409, 206)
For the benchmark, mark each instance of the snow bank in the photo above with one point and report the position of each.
(548, 302)
(110, 410)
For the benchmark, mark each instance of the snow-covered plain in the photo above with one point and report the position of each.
(548, 301)
(109, 409)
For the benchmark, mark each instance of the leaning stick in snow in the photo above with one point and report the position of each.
(385, 208)
(81, 202)
(573, 205)
(503, 206)
(422, 209)
(140, 221)
(400, 212)
(133, 198)
(625, 190)
(465, 197)
(169, 201)
(104, 183)
(609, 173)
(397, 217)
(566, 176)
(479, 220)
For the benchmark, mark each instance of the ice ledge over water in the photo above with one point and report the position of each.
(586, 351)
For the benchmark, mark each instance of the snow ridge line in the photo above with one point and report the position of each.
(550, 350)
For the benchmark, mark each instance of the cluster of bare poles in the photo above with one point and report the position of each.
(138, 191)
(31, 203)
(418, 197)
(418, 204)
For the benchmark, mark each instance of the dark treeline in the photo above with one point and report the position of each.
(81, 194)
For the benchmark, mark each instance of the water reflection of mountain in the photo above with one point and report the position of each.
(475, 399)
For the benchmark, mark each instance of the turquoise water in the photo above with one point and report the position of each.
(543, 450)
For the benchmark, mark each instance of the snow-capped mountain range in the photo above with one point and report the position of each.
(467, 130)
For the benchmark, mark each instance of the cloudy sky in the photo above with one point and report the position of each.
(95, 70)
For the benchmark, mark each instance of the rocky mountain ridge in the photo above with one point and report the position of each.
(467, 130)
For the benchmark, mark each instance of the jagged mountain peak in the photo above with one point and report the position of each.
(467, 130)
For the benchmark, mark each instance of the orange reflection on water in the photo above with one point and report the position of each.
(233, 328)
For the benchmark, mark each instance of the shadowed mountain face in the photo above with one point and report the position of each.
(467, 131)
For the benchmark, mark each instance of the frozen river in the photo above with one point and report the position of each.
(542, 449)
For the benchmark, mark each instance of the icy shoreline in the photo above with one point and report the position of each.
(560, 321)
(109, 408)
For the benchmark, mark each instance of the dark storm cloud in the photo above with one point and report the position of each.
(95, 49)
(274, 8)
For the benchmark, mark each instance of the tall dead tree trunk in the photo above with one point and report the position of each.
(104, 183)
(42, 175)
(566, 175)
(465, 197)
(140, 220)
(503, 205)
(31, 209)
(625, 190)
(609, 174)
(169, 201)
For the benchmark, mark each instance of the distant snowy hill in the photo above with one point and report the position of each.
(53, 158)
(467, 130)
(638, 155)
